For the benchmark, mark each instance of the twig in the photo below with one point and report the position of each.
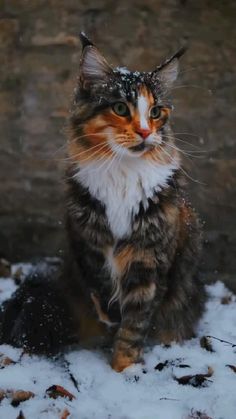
(167, 398)
(223, 341)
(72, 377)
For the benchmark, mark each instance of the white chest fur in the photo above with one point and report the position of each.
(122, 187)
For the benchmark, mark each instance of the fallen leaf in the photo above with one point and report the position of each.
(227, 299)
(20, 396)
(2, 394)
(233, 367)
(5, 361)
(196, 414)
(174, 363)
(65, 414)
(205, 343)
(161, 365)
(16, 396)
(196, 380)
(5, 268)
(183, 366)
(59, 391)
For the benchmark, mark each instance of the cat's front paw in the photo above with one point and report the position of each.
(119, 363)
(124, 357)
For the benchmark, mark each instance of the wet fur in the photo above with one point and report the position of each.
(134, 240)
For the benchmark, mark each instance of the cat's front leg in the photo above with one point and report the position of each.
(138, 290)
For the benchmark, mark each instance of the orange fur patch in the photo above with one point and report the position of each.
(124, 258)
(93, 144)
(186, 216)
(129, 254)
(103, 317)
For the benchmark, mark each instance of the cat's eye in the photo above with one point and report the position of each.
(121, 109)
(155, 112)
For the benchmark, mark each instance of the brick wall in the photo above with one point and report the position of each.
(39, 53)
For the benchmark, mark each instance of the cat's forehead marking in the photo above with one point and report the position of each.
(144, 102)
(143, 107)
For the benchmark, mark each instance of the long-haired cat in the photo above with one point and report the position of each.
(134, 238)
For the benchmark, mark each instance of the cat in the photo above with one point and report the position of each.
(133, 233)
(134, 239)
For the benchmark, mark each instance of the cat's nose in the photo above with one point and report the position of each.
(143, 132)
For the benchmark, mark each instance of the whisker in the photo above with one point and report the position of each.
(156, 159)
(76, 156)
(117, 155)
(103, 142)
(74, 140)
(99, 147)
(88, 135)
(83, 136)
(97, 161)
(105, 156)
(186, 153)
(112, 161)
(90, 149)
(173, 137)
(60, 148)
(180, 168)
(94, 155)
(107, 160)
(209, 91)
(156, 162)
(187, 70)
(188, 133)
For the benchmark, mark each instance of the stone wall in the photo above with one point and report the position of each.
(39, 53)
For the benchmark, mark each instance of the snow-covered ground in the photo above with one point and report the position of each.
(140, 392)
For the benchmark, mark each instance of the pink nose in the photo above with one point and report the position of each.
(143, 132)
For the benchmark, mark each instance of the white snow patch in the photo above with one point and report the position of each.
(140, 392)
(122, 70)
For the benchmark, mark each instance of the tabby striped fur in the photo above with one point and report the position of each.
(133, 234)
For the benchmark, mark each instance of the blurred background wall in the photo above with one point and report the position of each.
(39, 55)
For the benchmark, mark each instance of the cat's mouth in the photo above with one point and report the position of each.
(141, 147)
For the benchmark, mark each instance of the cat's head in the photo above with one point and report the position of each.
(117, 112)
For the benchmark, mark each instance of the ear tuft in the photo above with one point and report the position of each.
(85, 41)
(168, 71)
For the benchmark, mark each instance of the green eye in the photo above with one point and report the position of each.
(121, 109)
(155, 112)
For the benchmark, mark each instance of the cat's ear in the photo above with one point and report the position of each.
(168, 71)
(94, 69)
